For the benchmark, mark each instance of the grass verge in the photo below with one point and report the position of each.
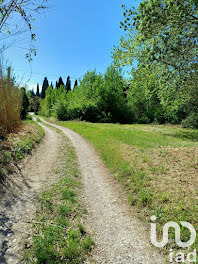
(158, 165)
(59, 235)
(15, 146)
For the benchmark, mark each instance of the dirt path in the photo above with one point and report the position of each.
(120, 238)
(17, 209)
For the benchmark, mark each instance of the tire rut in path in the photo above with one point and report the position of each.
(36, 173)
(120, 237)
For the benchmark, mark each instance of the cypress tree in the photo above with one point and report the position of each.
(24, 104)
(44, 87)
(60, 82)
(68, 84)
(56, 85)
(37, 90)
(76, 83)
(52, 85)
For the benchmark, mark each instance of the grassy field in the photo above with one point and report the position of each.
(15, 146)
(59, 234)
(158, 165)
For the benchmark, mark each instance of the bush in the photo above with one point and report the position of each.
(60, 110)
(191, 121)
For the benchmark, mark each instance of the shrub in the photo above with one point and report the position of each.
(191, 121)
(60, 110)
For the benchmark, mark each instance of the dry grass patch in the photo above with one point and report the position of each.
(173, 170)
(164, 182)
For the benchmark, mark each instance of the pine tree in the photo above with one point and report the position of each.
(44, 87)
(37, 90)
(68, 84)
(56, 85)
(76, 83)
(52, 85)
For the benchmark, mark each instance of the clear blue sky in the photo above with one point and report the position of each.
(74, 36)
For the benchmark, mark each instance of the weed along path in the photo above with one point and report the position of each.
(119, 236)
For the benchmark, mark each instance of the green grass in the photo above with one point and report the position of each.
(15, 147)
(59, 236)
(129, 151)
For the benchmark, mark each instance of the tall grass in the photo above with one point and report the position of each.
(10, 103)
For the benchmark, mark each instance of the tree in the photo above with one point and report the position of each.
(113, 101)
(31, 96)
(76, 83)
(23, 11)
(161, 37)
(56, 85)
(44, 87)
(166, 32)
(37, 90)
(143, 95)
(24, 104)
(36, 105)
(68, 84)
(60, 82)
(52, 85)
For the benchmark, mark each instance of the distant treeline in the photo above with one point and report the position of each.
(97, 98)
(109, 97)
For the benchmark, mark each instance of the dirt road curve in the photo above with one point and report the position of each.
(120, 238)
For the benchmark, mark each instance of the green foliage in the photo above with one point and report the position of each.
(191, 121)
(166, 31)
(36, 105)
(112, 95)
(142, 96)
(160, 40)
(24, 104)
(96, 99)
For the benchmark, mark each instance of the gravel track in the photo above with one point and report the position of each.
(119, 236)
